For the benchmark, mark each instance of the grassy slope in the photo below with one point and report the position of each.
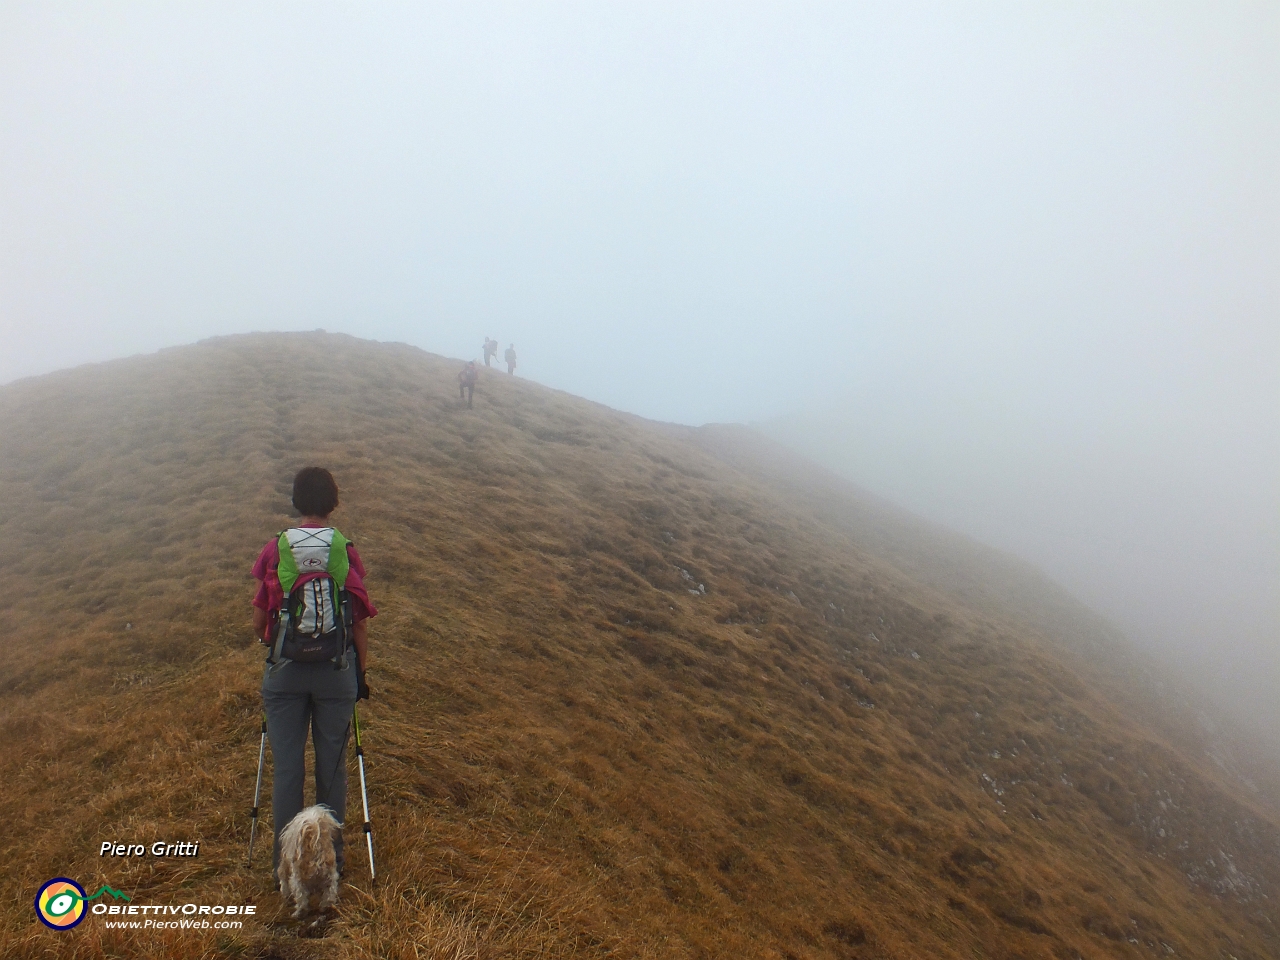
(571, 754)
(1002, 588)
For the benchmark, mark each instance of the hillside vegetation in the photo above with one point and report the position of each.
(638, 690)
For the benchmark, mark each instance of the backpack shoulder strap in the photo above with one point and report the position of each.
(288, 568)
(339, 563)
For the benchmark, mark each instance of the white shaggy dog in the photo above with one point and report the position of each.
(308, 865)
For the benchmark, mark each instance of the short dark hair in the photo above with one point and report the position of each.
(315, 494)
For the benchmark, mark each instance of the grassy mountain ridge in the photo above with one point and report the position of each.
(628, 700)
(1003, 588)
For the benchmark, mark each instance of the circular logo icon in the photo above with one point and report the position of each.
(60, 903)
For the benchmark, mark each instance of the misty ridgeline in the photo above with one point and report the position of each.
(640, 690)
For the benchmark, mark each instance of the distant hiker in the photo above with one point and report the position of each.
(510, 357)
(311, 611)
(490, 350)
(467, 382)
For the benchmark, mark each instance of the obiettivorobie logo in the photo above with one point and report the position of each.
(60, 904)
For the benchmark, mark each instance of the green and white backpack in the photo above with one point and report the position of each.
(315, 619)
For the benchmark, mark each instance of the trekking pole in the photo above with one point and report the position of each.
(364, 793)
(257, 789)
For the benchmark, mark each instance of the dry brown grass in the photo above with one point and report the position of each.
(570, 753)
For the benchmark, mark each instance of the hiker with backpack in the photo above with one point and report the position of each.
(510, 357)
(490, 350)
(311, 611)
(467, 382)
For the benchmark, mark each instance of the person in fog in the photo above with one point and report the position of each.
(510, 357)
(467, 382)
(490, 350)
(301, 695)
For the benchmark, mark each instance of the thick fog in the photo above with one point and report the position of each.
(1014, 266)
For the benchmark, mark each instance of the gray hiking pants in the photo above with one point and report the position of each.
(298, 696)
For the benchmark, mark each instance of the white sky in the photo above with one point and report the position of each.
(1016, 266)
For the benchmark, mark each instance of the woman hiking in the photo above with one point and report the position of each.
(312, 611)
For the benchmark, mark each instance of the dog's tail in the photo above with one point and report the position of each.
(310, 846)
